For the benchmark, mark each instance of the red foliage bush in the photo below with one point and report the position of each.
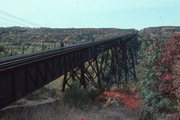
(130, 100)
(166, 77)
(83, 118)
(170, 55)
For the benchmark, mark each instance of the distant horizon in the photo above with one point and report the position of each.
(87, 28)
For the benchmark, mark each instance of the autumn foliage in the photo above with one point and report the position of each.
(129, 100)
(169, 61)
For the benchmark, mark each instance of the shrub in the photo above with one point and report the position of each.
(149, 83)
(168, 62)
(146, 114)
(79, 97)
(159, 74)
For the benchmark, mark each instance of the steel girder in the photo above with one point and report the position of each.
(91, 63)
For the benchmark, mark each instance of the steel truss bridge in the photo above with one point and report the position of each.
(97, 63)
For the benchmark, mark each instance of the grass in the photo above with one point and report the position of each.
(80, 97)
(42, 112)
(76, 104)
(60, 111)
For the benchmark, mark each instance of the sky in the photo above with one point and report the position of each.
(124, 14)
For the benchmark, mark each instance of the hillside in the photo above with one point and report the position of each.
(20, 40)
(20, 34)
(163, 33)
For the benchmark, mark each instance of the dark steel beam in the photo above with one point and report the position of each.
(23, 74)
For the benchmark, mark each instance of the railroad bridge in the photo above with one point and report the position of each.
(96, 63)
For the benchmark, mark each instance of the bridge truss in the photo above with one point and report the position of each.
(97, 63)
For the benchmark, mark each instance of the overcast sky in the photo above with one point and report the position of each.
(90, 13)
